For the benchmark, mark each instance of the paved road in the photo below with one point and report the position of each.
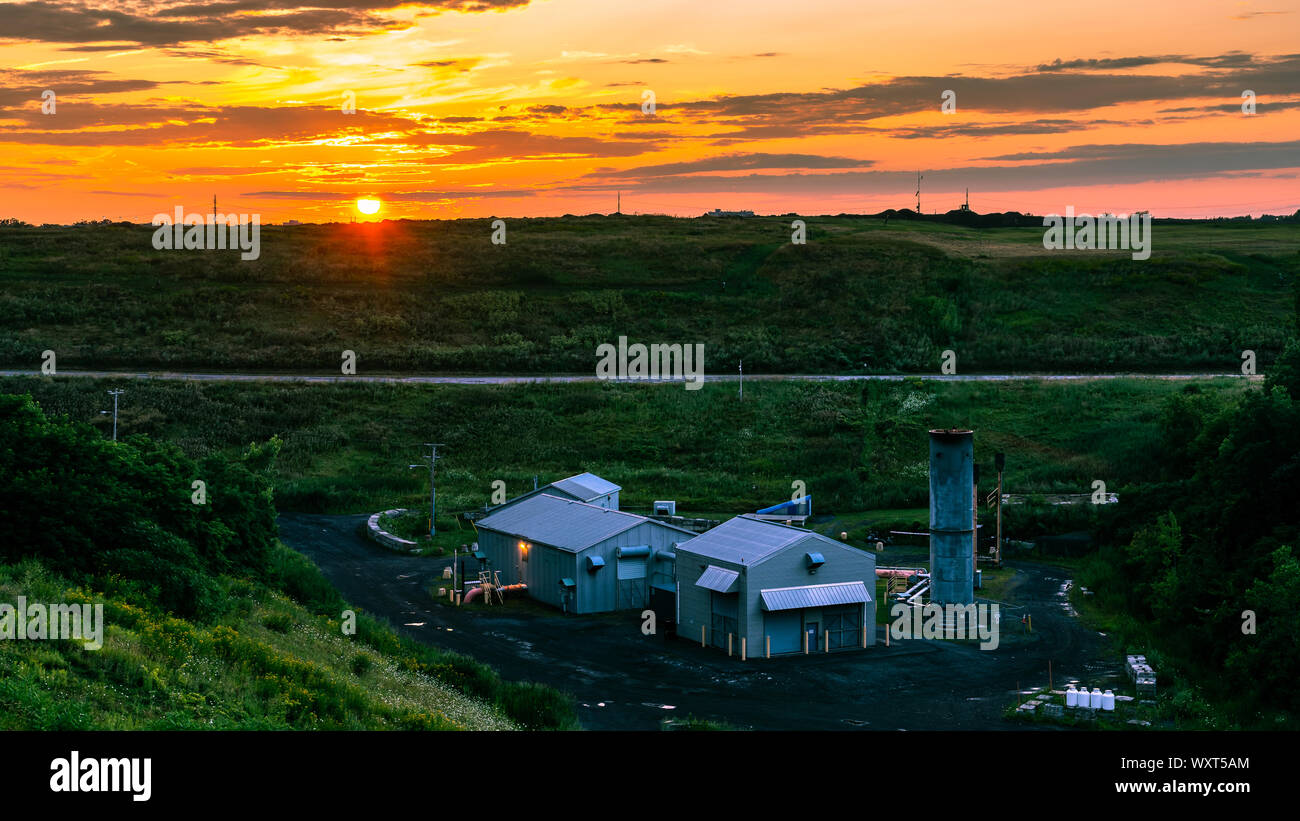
(525, 378)
(623, 680)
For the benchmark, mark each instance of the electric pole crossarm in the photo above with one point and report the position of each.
(432, 459)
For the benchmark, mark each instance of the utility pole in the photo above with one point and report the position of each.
(918, 192)
(1000, 460)
(433, 458)
(115, 395)
(618, 209)
(214, 209)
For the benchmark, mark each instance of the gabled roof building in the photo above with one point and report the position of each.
(780, 589)
(580, 557)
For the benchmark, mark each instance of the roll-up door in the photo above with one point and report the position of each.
(784, 628)
(632, 576)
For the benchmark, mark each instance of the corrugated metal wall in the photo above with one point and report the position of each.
(789, 569)
(597, 592)
(695, 604)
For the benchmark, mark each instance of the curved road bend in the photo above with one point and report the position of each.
(623, 680)
(539, 378)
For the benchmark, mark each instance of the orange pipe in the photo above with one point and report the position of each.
(475, 592)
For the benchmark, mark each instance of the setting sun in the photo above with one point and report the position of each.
(368, 206)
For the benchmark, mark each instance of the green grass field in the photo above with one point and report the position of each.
(438, 297)
(856, 447)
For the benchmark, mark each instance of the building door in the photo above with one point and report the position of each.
(782, 627)
(631, 582)
(844, 625)
(724, 626)
(810, 629)
(725, 622)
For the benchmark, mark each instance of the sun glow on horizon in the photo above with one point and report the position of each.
(369, 206)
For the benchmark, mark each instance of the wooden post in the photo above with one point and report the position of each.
(805, 642)
(769, 646)
(702, 642)
(826, 634)
(742, 648)
(1031, 623)
(886, 635)
(729, 645)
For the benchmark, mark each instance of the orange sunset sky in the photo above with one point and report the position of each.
(534, 107)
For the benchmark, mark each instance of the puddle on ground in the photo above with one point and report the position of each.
(525, 647)
(1064, 594)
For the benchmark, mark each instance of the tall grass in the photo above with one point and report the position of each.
(438, 297)
(856, 446)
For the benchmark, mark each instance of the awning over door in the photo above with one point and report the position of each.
(814, 595)
(718, 579)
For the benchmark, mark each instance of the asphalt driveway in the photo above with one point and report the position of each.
(624, 680)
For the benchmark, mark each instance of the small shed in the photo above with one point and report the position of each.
(777, 587)
(583, 487)
(580, 557)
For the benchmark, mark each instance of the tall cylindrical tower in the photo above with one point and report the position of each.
(952, 516)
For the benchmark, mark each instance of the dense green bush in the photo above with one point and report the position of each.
(1212, 536)
(95, 507)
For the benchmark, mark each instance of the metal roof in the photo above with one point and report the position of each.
(814, 595)
(561, 523)
(745, 540)
(586, 486)
(718, 579)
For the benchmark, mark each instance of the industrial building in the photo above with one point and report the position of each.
(579, 557)
(584, 487)
(760, 587)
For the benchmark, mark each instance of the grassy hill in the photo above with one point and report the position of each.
(210, 622)
(439, 297)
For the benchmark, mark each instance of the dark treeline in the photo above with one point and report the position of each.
(1213, 536)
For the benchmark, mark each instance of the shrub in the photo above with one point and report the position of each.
(536, 707)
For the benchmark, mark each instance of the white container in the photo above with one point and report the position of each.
(1108, 700)
(1094, 700)
(1071, 697)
